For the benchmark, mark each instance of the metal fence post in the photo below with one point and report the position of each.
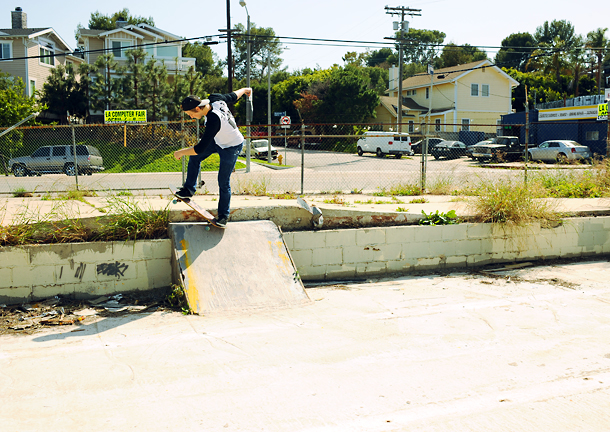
(183, 145)
(527, 140)
(75, 158)
(302, 158)
(424, 157)
(196, 141)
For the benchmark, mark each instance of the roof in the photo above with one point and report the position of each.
(32, 33)
(451, 74)
(390, 103)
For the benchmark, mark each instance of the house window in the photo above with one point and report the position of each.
(474, 89)
(5, 51)
(414, 92)
(465, 124)
(46, 54)
(167, 51)
(118, 48)
(411, 126)
(32, 87)
(427, 93)
(485, 90)
(437, 125)
(592, 136)
(408, 92)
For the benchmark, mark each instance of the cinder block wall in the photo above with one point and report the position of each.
(83, 270)
(350, 253)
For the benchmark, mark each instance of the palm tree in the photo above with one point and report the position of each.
(577, 59)
(597, 43)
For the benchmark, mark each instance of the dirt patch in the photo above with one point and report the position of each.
(62, 312)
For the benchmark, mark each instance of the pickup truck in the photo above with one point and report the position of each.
(499, 149)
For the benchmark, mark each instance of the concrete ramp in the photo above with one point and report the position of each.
(244, 267)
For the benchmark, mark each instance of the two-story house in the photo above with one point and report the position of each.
(31, 53)
(157, 43)
(451, 99)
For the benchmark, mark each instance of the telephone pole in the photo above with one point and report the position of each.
(402, 27)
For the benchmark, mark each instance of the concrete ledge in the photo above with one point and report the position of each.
(345, 254)
(85, 270)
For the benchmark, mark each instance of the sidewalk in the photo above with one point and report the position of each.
(16, 210)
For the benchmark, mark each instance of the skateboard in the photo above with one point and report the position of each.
(192, 204)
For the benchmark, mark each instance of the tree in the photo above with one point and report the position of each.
(516, 51)
(85, 71)
(576, 60)
(263, 44)
(454, 55)
(384, 57)
(134, 78)
(157, 92)
(352, 58)
(421, 46)
(99, 21)
(205, 59)
(61, 93)
(105, 91)
(14, 107)
(598, 44)
(555, 40)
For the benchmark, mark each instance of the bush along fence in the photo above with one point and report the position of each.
(379, 158)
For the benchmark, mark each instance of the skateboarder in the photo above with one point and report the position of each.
(221, 136)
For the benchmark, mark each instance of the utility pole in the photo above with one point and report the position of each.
(229, 49)
(402, 27)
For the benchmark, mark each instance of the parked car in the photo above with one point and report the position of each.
(449, 150)
(259, 150)
(416, 147)
(559, 151)
(500, 148)
(58, 159)
(471, 148)
(384, 143)
(294, 139)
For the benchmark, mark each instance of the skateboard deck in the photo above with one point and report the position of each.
(192, 204)
(317, 219)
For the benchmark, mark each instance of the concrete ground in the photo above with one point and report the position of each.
(521, 350)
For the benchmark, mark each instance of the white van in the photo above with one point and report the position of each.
(384, 143)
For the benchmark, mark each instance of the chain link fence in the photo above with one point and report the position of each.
(305, 158)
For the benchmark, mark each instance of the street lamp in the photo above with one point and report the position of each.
(248, 111)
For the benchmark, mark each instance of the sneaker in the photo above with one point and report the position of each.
(222, 222)
(184, 193)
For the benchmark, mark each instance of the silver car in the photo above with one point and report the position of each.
(559, 151)
(58, 159)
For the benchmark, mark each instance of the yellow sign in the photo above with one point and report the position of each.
(125, 116)
(602, 111)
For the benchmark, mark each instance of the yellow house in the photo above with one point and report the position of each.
(452, 99)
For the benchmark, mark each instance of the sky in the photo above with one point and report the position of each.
(481, 23)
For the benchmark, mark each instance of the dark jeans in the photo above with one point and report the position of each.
(228, 157)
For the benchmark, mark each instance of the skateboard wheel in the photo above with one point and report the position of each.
(175, 201)
(207, 228)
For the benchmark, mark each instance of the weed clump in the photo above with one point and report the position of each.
(509, 203)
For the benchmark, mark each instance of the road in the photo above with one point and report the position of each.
(323, 172)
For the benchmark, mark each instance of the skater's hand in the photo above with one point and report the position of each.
(248, 91)
(178, 154)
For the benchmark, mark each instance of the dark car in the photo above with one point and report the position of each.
(449, 150)
(58, 159)
(416, 147)
(294, 139)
